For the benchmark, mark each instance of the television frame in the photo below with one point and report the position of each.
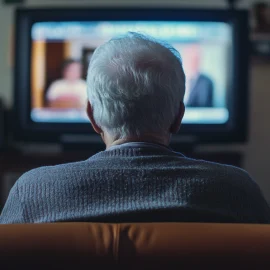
(27, 130)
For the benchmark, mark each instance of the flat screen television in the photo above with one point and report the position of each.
(49, 43)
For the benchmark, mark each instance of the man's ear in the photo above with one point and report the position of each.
(89, 111)
(178, 120)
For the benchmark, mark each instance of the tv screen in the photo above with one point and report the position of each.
(60, 45)
(61, 52)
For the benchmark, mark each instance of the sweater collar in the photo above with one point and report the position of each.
(140, 145)
(133, 149)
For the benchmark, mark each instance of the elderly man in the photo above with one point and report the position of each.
(136, 88)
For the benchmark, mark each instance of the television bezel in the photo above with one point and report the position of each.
(234, 131)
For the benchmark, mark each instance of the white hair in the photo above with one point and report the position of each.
(135, 85)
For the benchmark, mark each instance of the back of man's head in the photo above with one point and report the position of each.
(135, 86)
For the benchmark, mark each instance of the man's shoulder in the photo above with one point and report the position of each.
(48, 174)
(205, 78)
(82, 82)
(59, 83)
(221, 172)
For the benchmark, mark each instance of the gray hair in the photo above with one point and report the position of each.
(135, 85)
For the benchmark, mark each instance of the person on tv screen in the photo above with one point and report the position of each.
(199, 86)
(136, 87)
(70, 91)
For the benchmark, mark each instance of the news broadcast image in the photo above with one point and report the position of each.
(61, 52)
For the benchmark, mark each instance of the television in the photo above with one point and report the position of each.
(53, 42)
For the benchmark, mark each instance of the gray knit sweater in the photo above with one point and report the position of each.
(136, 184)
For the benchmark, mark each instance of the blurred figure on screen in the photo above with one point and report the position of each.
(199, 87)
(70, 91)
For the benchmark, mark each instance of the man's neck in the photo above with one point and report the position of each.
(149, 138)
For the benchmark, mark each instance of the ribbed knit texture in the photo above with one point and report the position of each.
(136, 185)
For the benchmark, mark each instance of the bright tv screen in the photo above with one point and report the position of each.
(61, 51)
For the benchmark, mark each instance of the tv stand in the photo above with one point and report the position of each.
(184, 144)
(80, 147)
(93, 143)
(73, 142)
